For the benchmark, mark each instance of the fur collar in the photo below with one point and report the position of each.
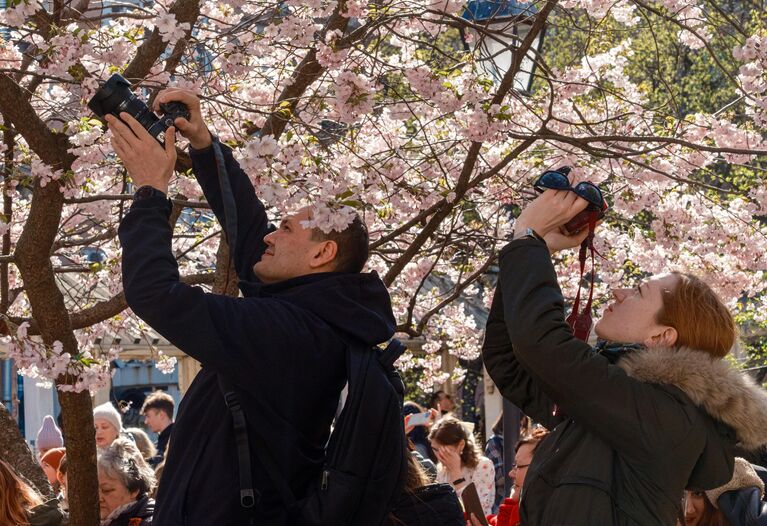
(724, 392)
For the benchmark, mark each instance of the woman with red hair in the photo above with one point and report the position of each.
(21, 505)
(654, 409)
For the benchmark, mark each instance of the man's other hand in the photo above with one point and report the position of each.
(146, 161)
(193, 129)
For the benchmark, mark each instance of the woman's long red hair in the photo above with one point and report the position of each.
(16, 497)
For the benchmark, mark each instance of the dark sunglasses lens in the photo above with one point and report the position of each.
(591, 193)
(553, 181)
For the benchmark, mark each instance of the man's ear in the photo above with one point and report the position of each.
(665, 337)
(324, 254)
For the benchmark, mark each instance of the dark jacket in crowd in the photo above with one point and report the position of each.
(743, 507)
(140, 514)
(162, 444)
(282, 346)
(626, 438)
(46, 514)
(432, 505)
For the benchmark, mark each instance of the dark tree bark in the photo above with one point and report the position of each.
(15, 451)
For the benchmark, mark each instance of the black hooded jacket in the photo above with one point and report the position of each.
(627, 438)
(282, 346)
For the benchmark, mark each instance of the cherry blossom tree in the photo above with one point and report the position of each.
(383, 108)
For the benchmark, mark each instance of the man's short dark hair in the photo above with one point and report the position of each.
(161, 401)
(353, 245)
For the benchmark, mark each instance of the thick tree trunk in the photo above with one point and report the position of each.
(83, 491)
(15, 451)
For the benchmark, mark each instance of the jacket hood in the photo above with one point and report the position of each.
(357, 305)
(728, 395)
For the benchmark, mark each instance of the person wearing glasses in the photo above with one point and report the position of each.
(654, 409)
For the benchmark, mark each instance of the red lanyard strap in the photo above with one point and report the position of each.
(581, 322)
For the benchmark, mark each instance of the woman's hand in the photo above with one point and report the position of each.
(548, 212)
(557, 241)
(449, 457)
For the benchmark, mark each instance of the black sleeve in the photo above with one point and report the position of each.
(633, 417)
(515, 383)
(244, 338)
(252, 223)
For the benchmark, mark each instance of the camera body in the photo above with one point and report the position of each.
(115, 96)
(582, 220)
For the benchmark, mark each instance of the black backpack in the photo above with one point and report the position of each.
(366, 456)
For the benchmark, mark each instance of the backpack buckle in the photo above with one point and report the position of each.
(231, 400)
(248, 498)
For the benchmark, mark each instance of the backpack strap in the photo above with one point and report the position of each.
(242, 438)
(249, 497)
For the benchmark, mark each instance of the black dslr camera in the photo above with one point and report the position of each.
(116, 96)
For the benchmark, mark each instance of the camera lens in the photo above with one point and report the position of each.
(115, 96)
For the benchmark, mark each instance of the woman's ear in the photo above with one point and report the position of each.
(665, 337)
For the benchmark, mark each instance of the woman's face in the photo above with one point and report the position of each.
(105, 432)
(694, 504)
(50, 472)
(112, 494)
(632, 316)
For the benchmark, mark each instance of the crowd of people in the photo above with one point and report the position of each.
(641, 429)
(128, 464)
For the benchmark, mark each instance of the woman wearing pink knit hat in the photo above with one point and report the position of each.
(48, 436)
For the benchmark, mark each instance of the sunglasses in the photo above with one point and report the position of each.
(557, 180)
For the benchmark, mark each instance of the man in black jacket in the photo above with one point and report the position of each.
(282, 345)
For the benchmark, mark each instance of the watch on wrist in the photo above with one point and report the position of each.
(147, 191)
(529, 232)
(459, 481)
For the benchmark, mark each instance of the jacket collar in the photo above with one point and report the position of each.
(724, 392)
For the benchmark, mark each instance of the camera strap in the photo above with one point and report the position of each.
(581, 322)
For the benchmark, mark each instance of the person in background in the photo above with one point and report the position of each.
(125, 481)
(494, 451)
(442, 402)
(424, 504)
(20, 504)
(461, 462)
(737, 503)
(158, 416)
(48, 436)
(50, 464)
(108, 424)
(419, 435)
(61, 476)
(143, 443)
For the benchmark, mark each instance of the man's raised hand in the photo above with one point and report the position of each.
(193, 129)
(147, 162)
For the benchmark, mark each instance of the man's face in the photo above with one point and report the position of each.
(154, 420)
(290, 250)
(522, 461)
(632, 317)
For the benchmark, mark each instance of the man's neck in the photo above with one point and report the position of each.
(165, 427)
